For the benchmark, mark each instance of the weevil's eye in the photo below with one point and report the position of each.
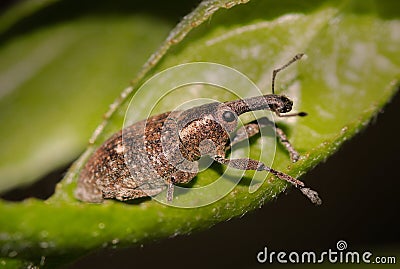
(228, 116)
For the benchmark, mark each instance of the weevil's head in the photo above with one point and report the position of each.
(226, 117)
(207, 116)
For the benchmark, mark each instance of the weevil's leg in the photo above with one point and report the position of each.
(170, 191)
(249, 164)
(294, 155)
(275, 72)
(245, 132)
(253, 128)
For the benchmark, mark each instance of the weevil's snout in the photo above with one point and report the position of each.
(283, 106)
(276, 103)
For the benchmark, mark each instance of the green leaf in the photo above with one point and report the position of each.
(351, 71)
(57, 80)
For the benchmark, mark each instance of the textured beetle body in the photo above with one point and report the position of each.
(143, 158)
(154, 154)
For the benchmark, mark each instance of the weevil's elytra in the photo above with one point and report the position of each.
(155, 154)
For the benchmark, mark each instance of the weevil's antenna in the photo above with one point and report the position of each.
(298, 114)
(294, 59)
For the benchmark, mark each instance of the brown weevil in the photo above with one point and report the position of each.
(152, 155)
